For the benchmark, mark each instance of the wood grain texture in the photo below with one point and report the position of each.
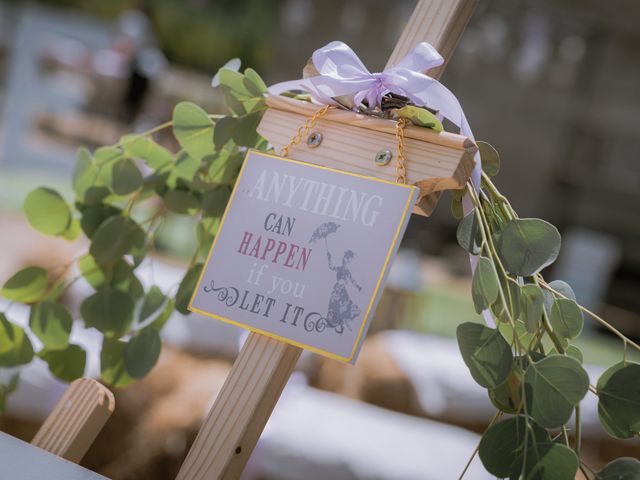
(439, 22)
(239, 414)
(76, 420)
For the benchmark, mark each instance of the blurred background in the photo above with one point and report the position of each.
(552, 84)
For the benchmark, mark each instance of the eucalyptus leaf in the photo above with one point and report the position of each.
(235, 82)
(489, 157)
(112, 368)
(420, 117)
(142, 352)
(47, 211)
(115, 237)
(215, 201)
(484, 287)
(224, 131)
(186, 288)
(84, 173)
(527, 245)
(153, 301)
(502, 444)
(93, 216)
(553, 387)
(73, 231)
(623, 468)
(28, 285)
(619, 400)
(566, 318)
(245, 132)
(51, 322)
(193, 129)
(546, 461)
(15, 347)
(233, 65)
(125, 177)
(108, 310)
(123, 278)
(574, 352)
(91, 271)
(163, 316)
(258, 87)
(468, 233)
(560, 287)
(154, 155)
(181, 201)
(67, 364)
(486, 354)
(531, 305)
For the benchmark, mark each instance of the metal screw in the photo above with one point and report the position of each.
(383, 157)
(314, 140)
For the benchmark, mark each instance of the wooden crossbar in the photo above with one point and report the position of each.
(76, 420)
(260, 372)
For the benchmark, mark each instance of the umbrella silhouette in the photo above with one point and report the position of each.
(323, 231)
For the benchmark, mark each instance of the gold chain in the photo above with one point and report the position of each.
(304, 129)
(401, 171)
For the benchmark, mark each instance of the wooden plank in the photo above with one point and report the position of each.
(241, 410)
(350, 142)
(260, 372)
(439, 22)
(76, 420)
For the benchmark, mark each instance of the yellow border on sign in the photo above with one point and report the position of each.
(375, 291)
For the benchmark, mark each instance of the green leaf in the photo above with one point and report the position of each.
(47, 211)
(105, 156)
(235, 82)
(233, 64)
(91, 271)
(125, 177)
(185, 170)
(67, 364)
(181, 201)
(112, 369)
(560, 287)
(420, 117)
(93, 216)
(486, 354)
(15, 346)
(123, 278)
(502, 444)
(186, 288)
(245, 129)
(95, 195)
(73, 232)
(51, 322)
(7, 389)
(553, 387)
(531, 305)
(108, 310)
(224, 131)
(193, 129)
(489, 157)
(619, 400)
(468, 233)
(84, 174)
(155, 156)
(142, 352)
(163, 316)
(527, 245)
(484, 287)
(546, 461)
(28, 285)
(566, 318)
(115, 237)
(215, 201)
(623, 468)
(508, 395)
(153, 300)
(575, 353)
(254, 82)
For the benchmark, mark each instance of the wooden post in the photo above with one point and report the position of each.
(256, 380)
(76, 420)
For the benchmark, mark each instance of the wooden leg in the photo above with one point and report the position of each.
(241, 410)
(76, 420)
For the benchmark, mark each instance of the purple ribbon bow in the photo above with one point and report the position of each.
(342, 73)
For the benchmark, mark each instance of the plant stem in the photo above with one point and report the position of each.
(598, 319)
(578, 444)
(473, 455)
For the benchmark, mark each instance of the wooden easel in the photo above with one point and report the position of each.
(350, 142)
